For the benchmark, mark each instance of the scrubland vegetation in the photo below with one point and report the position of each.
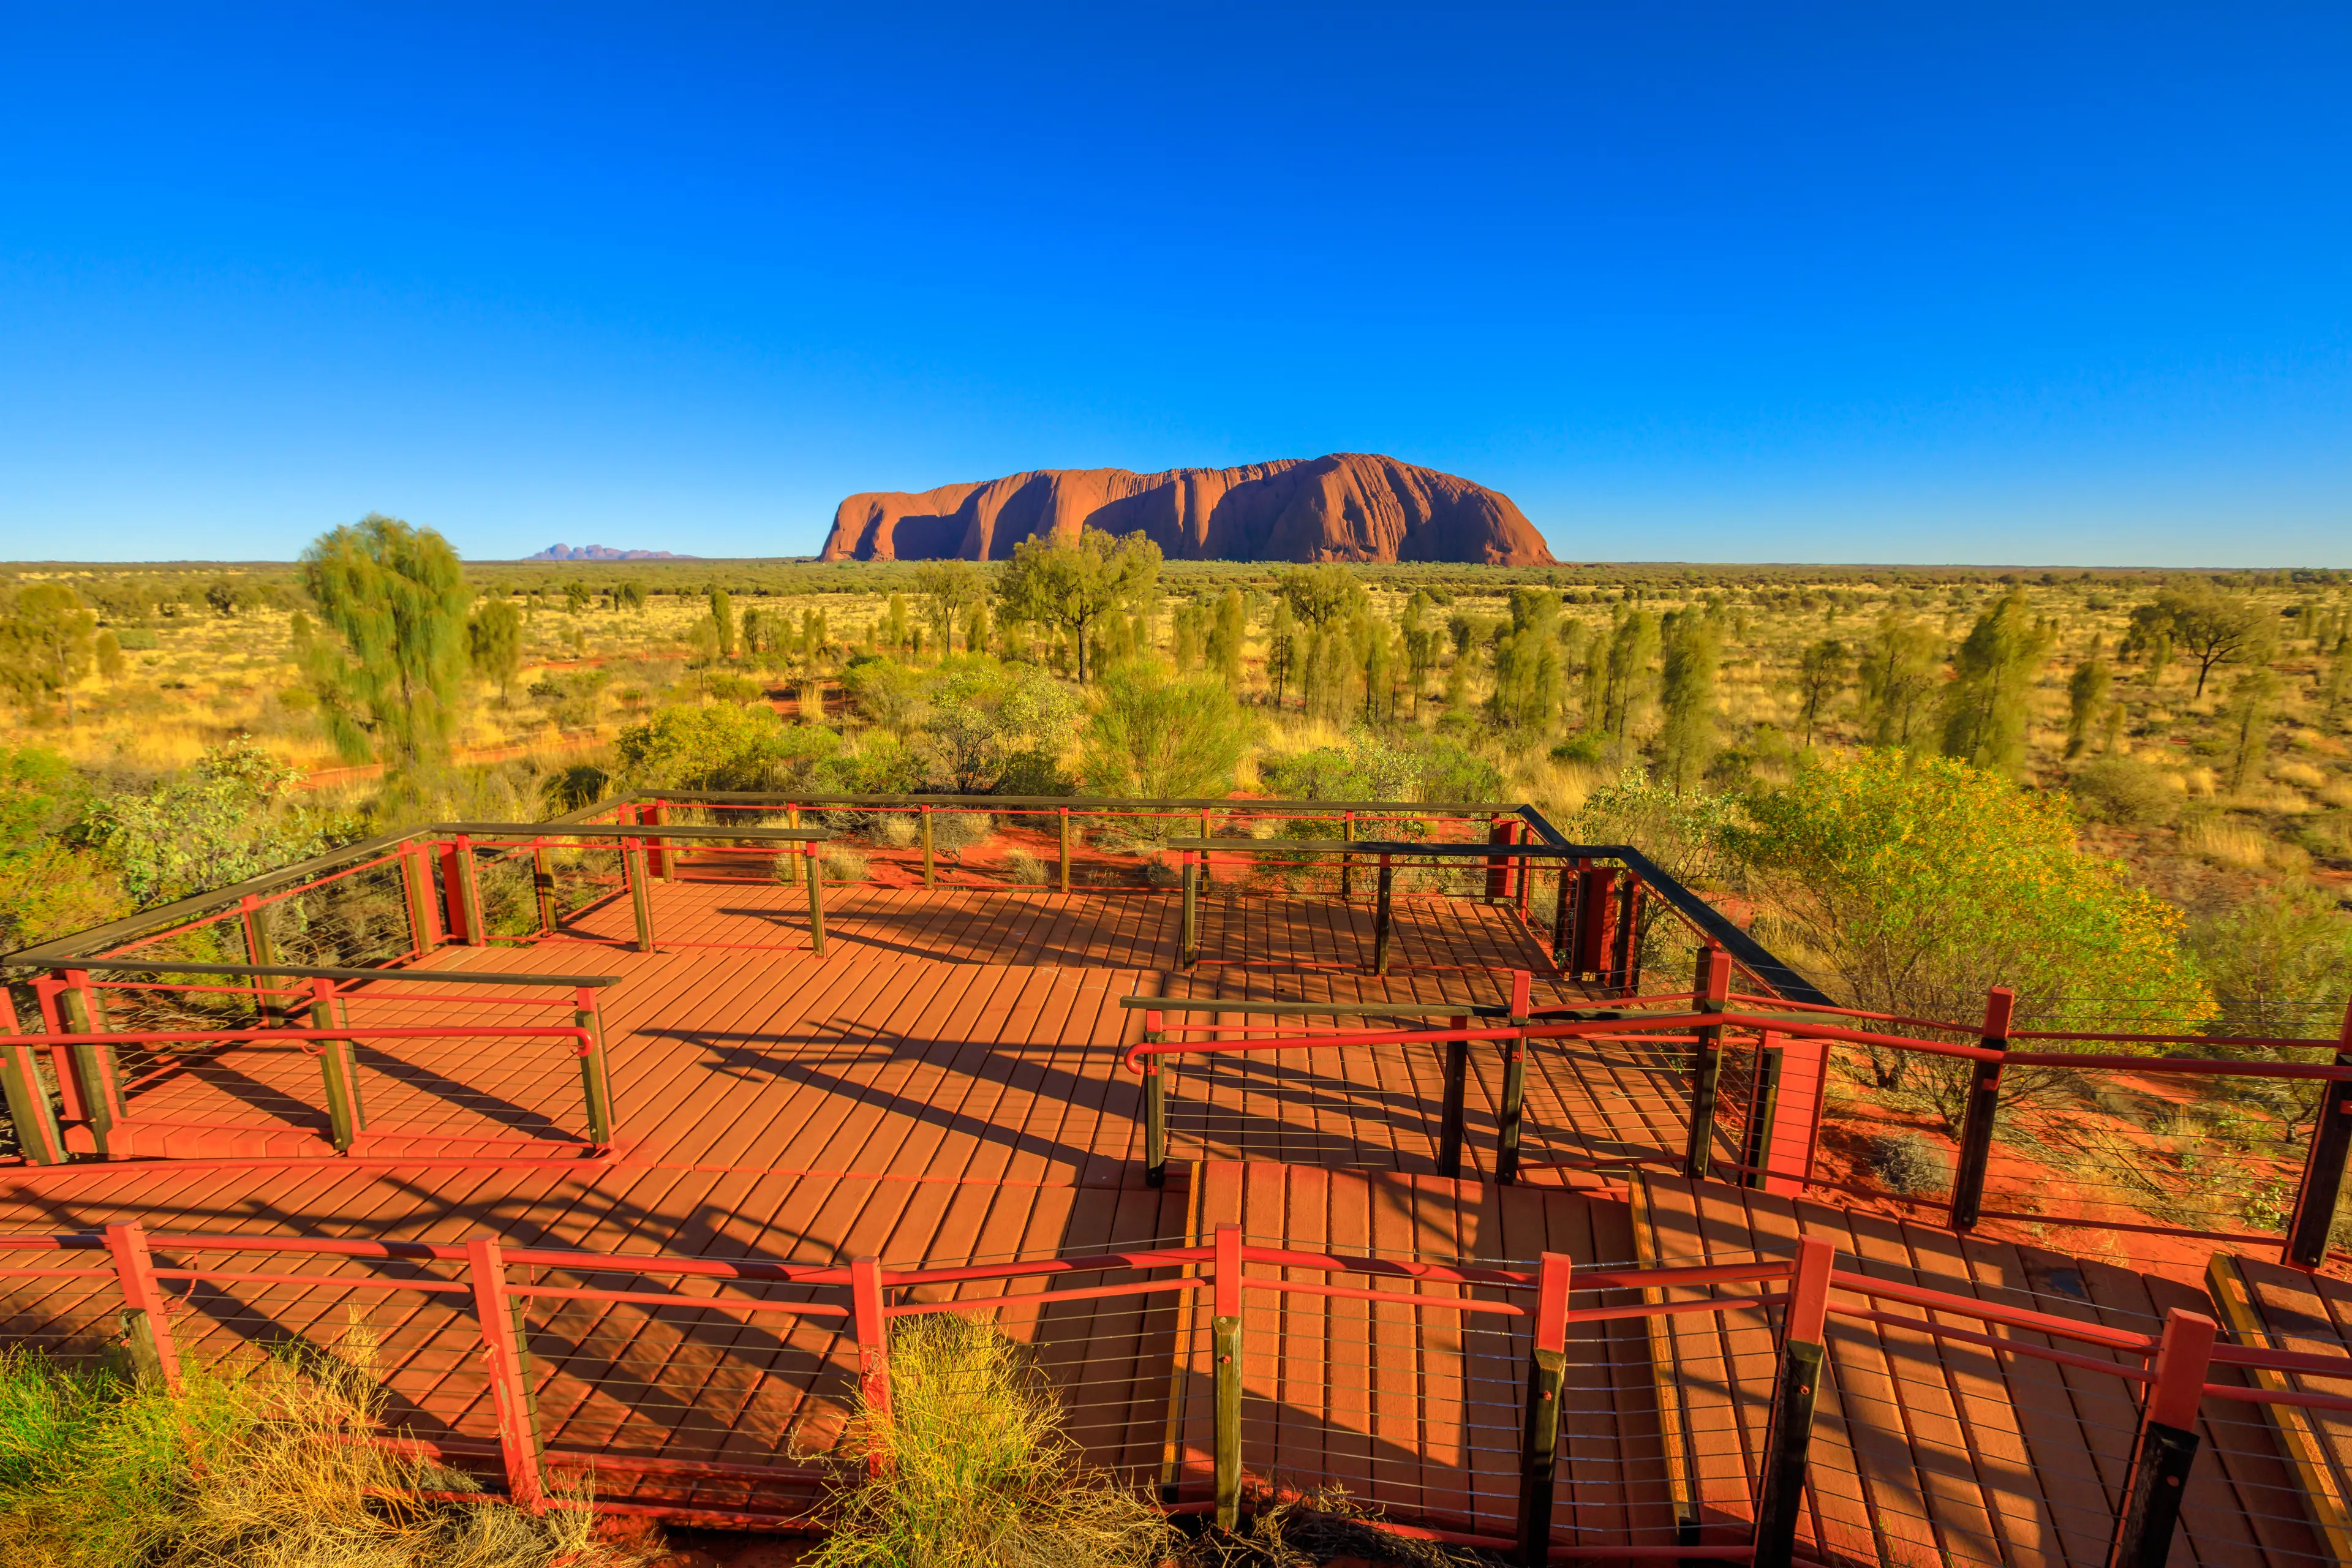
(265, 1463)
(2129, 794)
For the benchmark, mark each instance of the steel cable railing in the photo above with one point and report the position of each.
(1218, 1376)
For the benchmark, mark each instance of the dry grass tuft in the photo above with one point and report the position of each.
(261, 1466)
(981, 1474)
(2228, 843)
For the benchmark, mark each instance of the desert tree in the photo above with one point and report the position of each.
(1901, 668)
(1069, 587)
(1282, 649)
(948, 590)
(2246, 725)
(494, 643)
(722, 622)
(394, 595)
(1626, 673)
(1228, 631)
(2087, 691)
(1324, 595)
(2208, 626)
(1528, 680)
(1821, 675)
(1693, 649)
(48, 642)
(1986, 707)
(1420, 644)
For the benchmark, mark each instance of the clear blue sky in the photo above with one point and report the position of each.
(2023, 284)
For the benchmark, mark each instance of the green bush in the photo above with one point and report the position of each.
(1158, 737)
(2126, 793)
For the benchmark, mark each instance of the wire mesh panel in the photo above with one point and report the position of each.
(63, 1306)
(707, 1379)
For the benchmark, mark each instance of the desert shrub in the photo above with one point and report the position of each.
(981, 1473)
(253, 1464)
(897, 829)
(1035, 772)
(1585, 748)
(227, 816)
(1156, 737)
(953, 832)
(1911, 885)
(1908, 1163)
(719, 747)
(840, 863)
(983, 717)
(1026, 868)
(2126, 793)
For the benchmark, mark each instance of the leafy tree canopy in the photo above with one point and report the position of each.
(396, 596)
(1070, 585)
(1913, 884)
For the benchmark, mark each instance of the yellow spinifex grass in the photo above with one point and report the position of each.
(258, 1464)
(980, 1473)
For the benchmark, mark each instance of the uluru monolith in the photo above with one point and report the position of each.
(1350, 506)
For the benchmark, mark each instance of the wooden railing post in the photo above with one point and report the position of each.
(47, 990)
(507, 1358)
(1208, 868)
(817, 898)
(871, 1326)
(1624, 970)
(1540, 1425)
(416, 893)
(1187, 932)
(1589, 949)
(1226, 1335)
(1347, 861)
(1522, 867)
(97, 1076)
(1763, 1113)
(1449, 1124)
(1561, 946)
(253, 915)
(1381, 911)
(2166, 1448)
(542, 886)
(1781, 1480)
(2323, 1168)
(146, 1327)
(595, 1070)
(656, 853)
(793, 862)
(469, 892)
(1062, 827)
(37, 1133)
(1155, 1109)
(1983, 1106)
(1498, 867)
(930, 874)
(1512, 1112)
(339, 1066)
(641, 902)
(1713, 984)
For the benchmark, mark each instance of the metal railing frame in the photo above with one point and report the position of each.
(1712, 1008)
(2173, 1368)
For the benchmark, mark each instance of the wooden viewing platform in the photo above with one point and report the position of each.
(944, 1087)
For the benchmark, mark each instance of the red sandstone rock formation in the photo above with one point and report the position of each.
(1346, 507)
